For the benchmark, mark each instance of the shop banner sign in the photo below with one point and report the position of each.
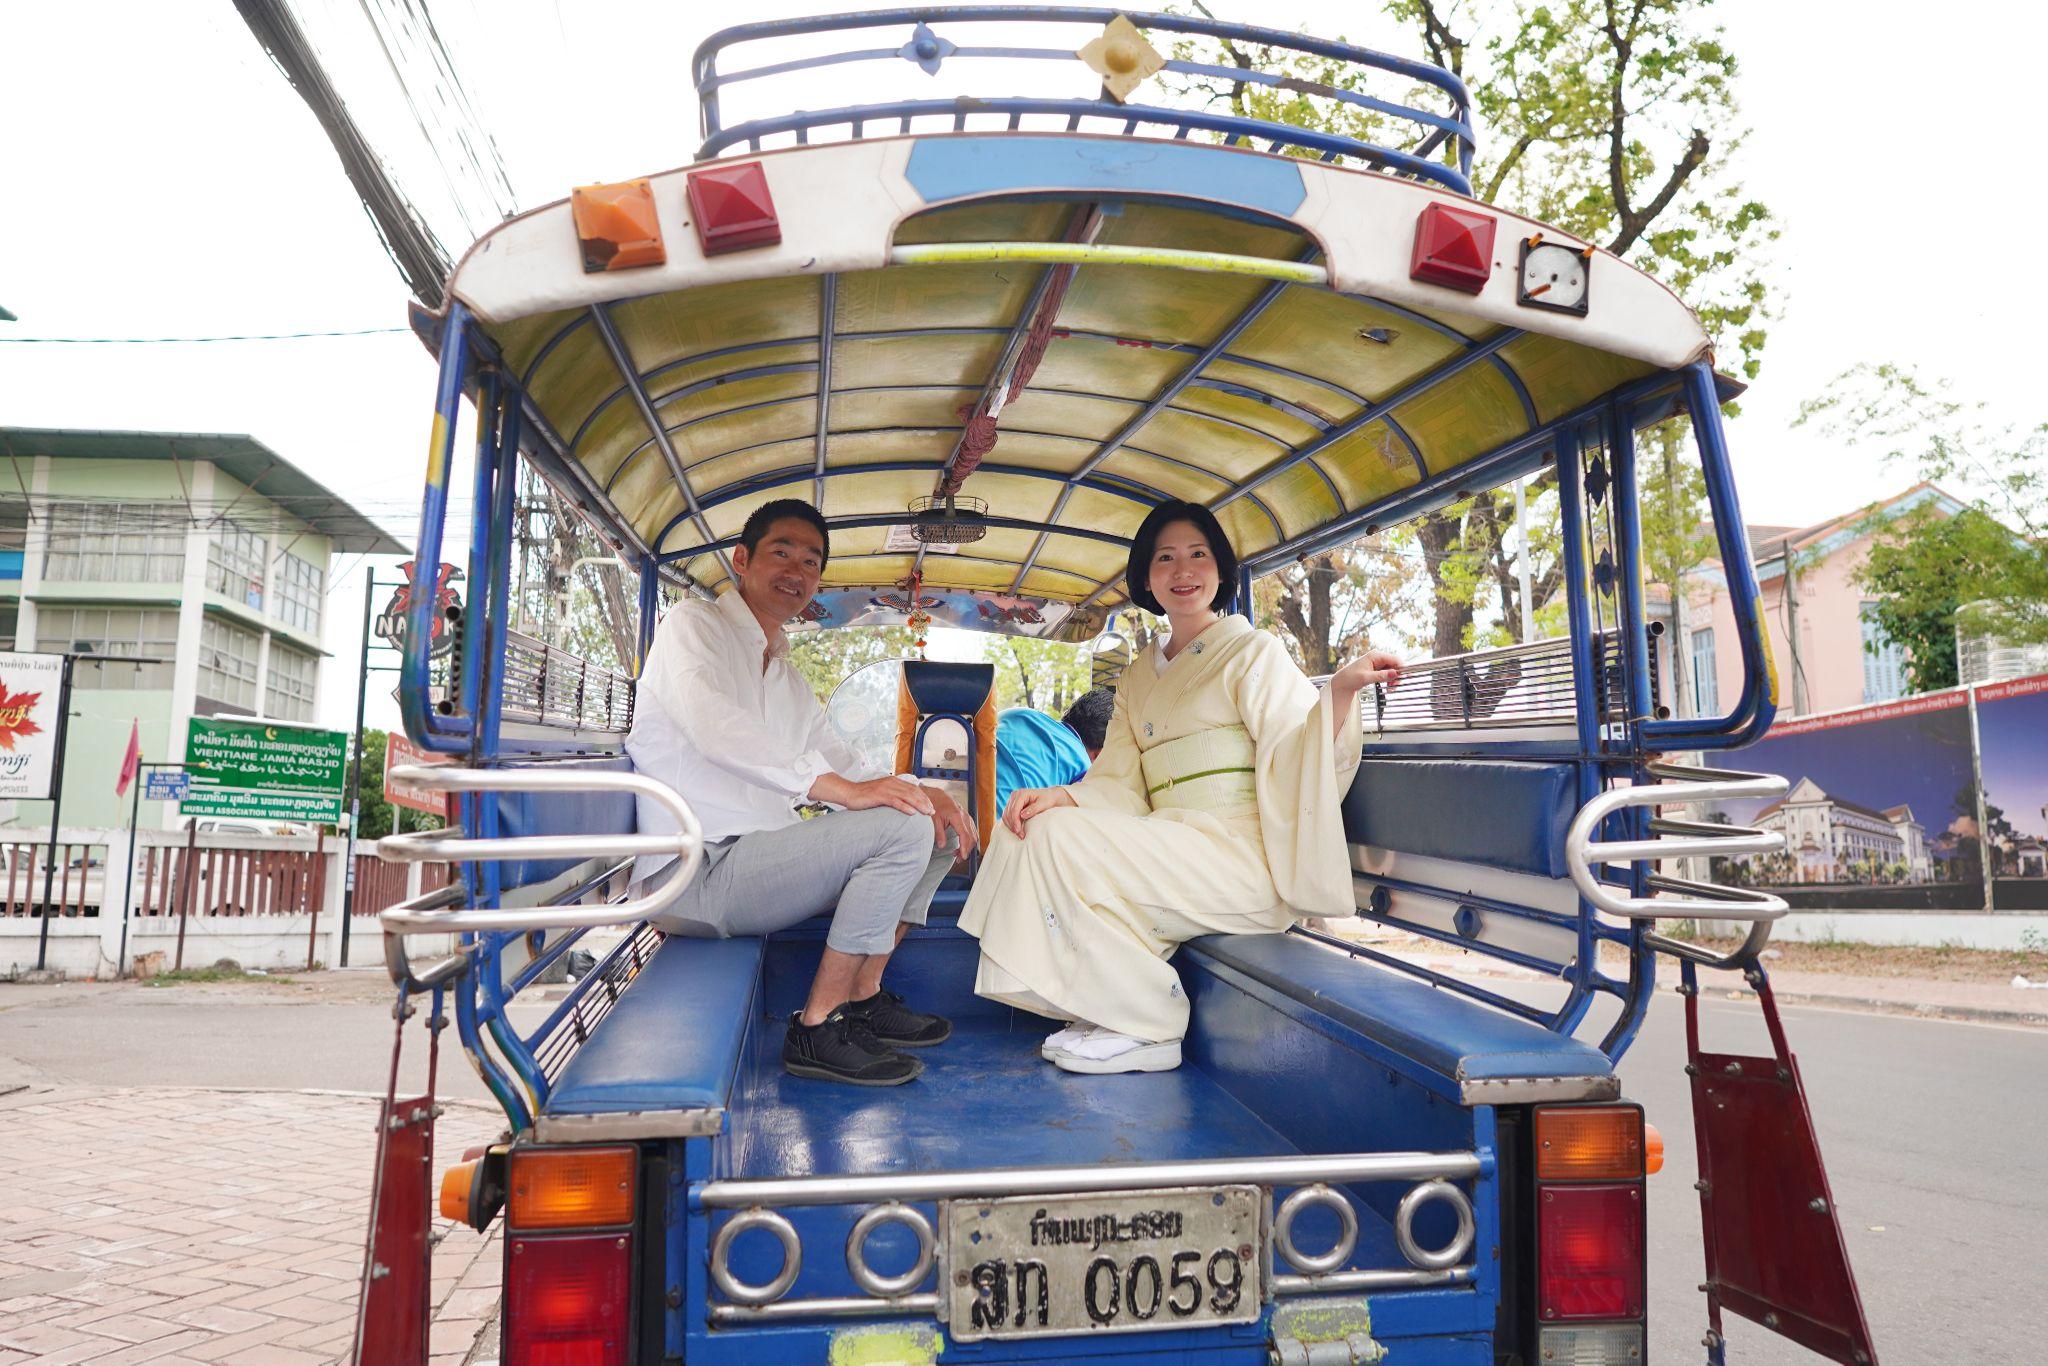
(29, 689)
(400, 752)
(260, 771)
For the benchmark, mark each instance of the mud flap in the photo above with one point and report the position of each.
(1774, 1245)
(392, 1327)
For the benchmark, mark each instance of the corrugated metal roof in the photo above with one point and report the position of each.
(245, 458)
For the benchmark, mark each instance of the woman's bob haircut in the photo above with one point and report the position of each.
(1145, 541)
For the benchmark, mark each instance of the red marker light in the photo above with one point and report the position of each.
(567, 1300)
(1589, 1252)
(732, 208)
(1453, 248)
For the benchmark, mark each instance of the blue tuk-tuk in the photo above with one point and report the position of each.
(984, 336)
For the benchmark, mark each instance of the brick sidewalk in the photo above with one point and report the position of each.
(173, 1226)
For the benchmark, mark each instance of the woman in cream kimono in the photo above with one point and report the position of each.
(1213, 808)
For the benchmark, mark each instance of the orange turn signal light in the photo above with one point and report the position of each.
(616, 226)
(1653, 1149)
(571, 1187)
(1589, 1143)
(456, 1184)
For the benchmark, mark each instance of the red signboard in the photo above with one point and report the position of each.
(400, 752)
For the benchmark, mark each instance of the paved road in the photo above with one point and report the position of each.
(1932, 1132)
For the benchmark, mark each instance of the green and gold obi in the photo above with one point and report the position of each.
(1211, 770)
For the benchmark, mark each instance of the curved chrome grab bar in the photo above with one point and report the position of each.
(1704, 901)
(687, 845)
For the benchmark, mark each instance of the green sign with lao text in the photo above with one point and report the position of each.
(265, 772)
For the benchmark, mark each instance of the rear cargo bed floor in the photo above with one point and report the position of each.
(986, 1099)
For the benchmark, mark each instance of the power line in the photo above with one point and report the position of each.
(188, 341)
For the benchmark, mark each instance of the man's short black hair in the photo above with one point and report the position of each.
(1138, 575)
(768, 514)
(1089, 717)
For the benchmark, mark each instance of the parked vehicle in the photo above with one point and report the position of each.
(1070, 310)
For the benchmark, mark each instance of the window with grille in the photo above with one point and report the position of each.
(234, 564)
(289, 693)
(1706, 691)
(1884, 661)
(227, 664)
(137, 632)
(297, 589)
(115, 543)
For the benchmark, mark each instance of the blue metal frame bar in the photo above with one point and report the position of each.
(600, 314)
(1757, 707)
(414, 681)
(1586, 702)
(650, 607)
(708, 81)
(1130, 115)
(828, 315)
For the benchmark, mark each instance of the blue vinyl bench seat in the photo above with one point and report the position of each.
(661, 1063)
(1486, 1056)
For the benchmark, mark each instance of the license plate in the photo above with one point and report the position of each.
(1035, 1266)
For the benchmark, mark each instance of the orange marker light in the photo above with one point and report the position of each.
(1653, 1149)
(456, 1184)
(616, 226)
(571, 1187)
(1589, 1143)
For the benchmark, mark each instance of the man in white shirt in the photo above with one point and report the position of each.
(725, 719)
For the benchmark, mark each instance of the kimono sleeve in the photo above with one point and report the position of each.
(1301, 779)
(1116, 780)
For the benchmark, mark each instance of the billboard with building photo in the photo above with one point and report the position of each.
(2012, 729)
(1881, 813)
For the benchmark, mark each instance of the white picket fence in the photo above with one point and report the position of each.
(270, 902)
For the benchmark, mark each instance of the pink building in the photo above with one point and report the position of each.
(1829, 653)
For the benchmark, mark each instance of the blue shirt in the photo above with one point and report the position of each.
(1034, 750)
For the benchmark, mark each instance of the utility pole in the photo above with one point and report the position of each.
(355, 769)
(1792, 628)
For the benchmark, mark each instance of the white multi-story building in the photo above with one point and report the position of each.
(206, 558)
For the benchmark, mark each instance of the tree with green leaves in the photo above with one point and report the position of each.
(825, 658)
(1048, 675)
(1616, 120)
(1925, 566)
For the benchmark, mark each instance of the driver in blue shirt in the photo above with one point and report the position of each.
(1033, 750)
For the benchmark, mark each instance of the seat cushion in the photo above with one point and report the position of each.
(1490, 811)
(671, 1044)
(562, 813)
(1489, 1056)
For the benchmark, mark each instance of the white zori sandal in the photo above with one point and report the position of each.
(1099, 1051)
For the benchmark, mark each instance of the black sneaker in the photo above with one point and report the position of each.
(836, 1049)
(897, 1025)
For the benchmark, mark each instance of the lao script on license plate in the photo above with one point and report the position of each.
(1102, 1263)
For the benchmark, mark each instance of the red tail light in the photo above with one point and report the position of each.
(567, 1300)
(1589, 1252)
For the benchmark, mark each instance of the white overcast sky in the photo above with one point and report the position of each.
(159, 178)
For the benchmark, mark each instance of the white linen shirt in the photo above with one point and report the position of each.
(740, 742)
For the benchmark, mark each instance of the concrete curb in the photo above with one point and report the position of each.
(1873, 1005)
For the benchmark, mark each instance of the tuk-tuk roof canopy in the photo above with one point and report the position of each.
(1230, 327)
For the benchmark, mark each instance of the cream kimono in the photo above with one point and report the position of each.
(1213, 808)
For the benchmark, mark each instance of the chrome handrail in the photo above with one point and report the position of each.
(686, 845)
(1675, 784)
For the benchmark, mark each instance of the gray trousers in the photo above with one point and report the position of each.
(872, 869)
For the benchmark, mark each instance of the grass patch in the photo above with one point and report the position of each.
(185, 975)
